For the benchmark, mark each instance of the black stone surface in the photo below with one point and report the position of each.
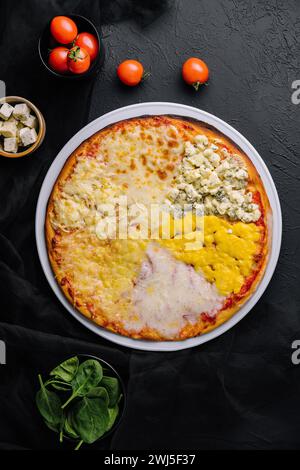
(240, 391)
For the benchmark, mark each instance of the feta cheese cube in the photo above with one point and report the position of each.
(237, 196)
(30, 121)
(21, 111)
(213, 180)
(173, 194)
(201, 139)
(190, 149)
(215, 159)
(8, 129)
(12, 119)
(207, 152)
(6, 111)
(197, 160)
(10, 144)
(241, 174)
(28, 136)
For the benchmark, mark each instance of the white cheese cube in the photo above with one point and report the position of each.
(21, 111)
(190, 149)
(8, 129)
(12, 119)
(6, 111)
(30, 121)
(28, 136)
(215, 159)
(208, 152)
(201, 139)
(10, 144)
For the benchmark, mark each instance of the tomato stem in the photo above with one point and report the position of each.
(196, 85)
(145, 76)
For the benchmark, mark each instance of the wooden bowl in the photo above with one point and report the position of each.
(41, 130)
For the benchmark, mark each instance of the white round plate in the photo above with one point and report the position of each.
(156, 108)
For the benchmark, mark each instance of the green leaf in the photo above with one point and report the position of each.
(90, 419)
(53, 427)
(99, 392)
(49, 405)
(61, 386)
(69, 428)
(113, 413)
(67, 370)
(113, 389)
(58, 385)
(88, 376)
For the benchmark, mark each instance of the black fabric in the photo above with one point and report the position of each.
(240, 391)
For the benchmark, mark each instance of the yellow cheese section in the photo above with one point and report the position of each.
(105, 271)
(226, 257)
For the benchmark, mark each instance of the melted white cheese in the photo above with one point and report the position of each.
(126, 164)
(169, 294)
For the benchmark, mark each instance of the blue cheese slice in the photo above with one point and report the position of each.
(219, 183)
(28, 136)
(6, 111)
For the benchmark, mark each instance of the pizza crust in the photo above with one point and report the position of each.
(187, 128)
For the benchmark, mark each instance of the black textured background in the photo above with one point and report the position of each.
(241, 390)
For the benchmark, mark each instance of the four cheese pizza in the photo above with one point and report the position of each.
(158, 228)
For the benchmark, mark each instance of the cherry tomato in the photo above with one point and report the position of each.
(130, 72)
(89, 42)
(78, 60)
(58, 59)
(195, 72)
(63, 29)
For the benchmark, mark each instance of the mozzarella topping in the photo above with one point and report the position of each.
(170, 294)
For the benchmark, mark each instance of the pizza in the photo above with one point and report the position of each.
(158, 228)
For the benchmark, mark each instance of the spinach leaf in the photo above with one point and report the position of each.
(49, 405)
(67, 370)
(69, 428)
(59, 385)
(88, 376)
(113, 389)
(99, 392)
(113, 413)
(53, 427)
(90, 419)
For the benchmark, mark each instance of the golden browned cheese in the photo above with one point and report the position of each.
(143, 288)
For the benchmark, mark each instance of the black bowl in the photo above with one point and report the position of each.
(46, 42)
(112, 373)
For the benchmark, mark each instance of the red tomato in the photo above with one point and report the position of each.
(78, 60)
(58, 59)
(89, 42)
(63, 29)
(195, 72)
(130, 72)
